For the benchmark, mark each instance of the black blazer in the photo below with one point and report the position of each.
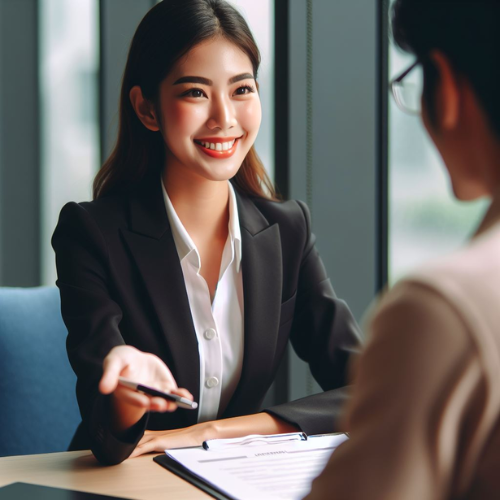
(121, 283)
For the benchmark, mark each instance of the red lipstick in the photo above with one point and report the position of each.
(218, 147)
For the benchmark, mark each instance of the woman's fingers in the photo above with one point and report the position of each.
(147, 437)
(132, 397)
(153, 444)
(156, 441)
(143, 368)
(141, 400)
(183, 393)
(158, 405)
(163, 374)
(176, 438)
(112, 367)
(162, 405)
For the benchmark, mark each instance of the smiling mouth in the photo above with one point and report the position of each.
(216, 148)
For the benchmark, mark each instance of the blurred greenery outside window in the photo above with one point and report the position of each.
(425, 220)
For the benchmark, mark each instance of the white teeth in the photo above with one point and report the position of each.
(217, 146)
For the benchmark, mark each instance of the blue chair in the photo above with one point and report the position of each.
(38, 408)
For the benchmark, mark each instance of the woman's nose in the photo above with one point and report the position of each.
(222, 115)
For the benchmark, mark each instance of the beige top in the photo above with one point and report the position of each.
(425, 415)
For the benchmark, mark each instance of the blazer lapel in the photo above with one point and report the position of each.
(153, 248)
(262, 289)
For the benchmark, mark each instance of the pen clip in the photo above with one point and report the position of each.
(220, 444)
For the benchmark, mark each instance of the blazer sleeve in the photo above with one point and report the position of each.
(417, 384)
(324, 333)
(92, 318)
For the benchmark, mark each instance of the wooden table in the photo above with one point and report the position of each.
(136, 478)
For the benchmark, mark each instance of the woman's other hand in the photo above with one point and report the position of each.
(260, 423)
(159, 441)
(128, 405)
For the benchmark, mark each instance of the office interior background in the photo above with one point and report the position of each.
(331, 136)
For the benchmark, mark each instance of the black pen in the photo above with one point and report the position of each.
(179, 400)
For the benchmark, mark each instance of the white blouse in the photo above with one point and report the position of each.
(218, 324)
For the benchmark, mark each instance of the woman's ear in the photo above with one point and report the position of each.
(144, 109)
(448, 92)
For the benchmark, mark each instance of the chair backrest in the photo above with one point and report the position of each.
(38, 408)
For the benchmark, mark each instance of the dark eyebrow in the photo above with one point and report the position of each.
(194, 79)
(238, 78)
(206, 81)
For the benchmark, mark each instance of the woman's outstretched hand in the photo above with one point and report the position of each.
(128, 405)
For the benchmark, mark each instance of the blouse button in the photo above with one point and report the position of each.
(209, 334)
(212, 382)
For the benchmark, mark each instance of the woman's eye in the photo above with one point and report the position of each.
(246, 89)
(197, 93)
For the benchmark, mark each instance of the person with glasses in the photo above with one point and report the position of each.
(424, 420)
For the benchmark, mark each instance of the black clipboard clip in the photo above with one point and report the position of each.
(223, 444)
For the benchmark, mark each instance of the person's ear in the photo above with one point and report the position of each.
(144, 109)
(447, 93)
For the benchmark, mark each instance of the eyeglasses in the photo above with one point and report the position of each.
(407, 89)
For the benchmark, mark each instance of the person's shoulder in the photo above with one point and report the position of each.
(456, 292)
(107, 212)
(288, 213)
(106, 205)
(416, 320)
(470, 275)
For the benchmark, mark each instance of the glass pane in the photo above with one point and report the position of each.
(259, 15)
(425, 220)
(69, 63)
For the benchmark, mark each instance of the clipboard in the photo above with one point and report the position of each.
(225, 452)
(184, 473)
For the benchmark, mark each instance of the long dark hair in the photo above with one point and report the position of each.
(167, 32)
(466, 32)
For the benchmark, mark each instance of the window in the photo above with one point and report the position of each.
(69, 111)
(259, 15)
(425, 220)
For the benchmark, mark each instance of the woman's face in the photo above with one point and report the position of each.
(210, 111)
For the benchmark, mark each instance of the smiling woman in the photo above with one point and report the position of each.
(213, 115)
(155, 55)
(185, 271)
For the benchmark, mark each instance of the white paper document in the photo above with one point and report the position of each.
(261, 469)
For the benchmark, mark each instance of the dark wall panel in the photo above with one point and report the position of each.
(19, 144)
(118, 22)
(333, 151)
